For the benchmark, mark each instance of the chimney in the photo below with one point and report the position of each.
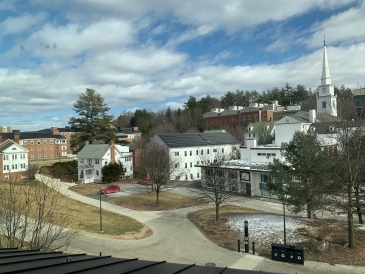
(55, 130)
(16, 133)
(1, 138)
(312, 116)
(135, 128)
(86, 143)
(112, 152)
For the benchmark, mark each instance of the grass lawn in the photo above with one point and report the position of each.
(82, 217)
(147, 201)
(323, 240)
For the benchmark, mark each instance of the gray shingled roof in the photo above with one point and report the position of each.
(33, 135)
(93, 151)
(129, 131)
(197, 139)
(324, 127)
(5, 146)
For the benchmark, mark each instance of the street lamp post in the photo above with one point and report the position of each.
(101, 218)
(284, 204)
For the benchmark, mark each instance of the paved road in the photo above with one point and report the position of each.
(176, 239)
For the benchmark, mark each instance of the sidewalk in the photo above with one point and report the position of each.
(176, 239)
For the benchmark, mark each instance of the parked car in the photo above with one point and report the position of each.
(110, 189)
(145, 181)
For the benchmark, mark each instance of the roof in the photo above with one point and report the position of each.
(8, 143)
(324, 127)
(239, 164)
(33, 135)
(60, 129)
(259, 127)
(93, 151)
(197, 139)
(34, 261)
(214, 131)
(130, 131)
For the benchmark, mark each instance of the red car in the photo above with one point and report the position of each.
(110, 189)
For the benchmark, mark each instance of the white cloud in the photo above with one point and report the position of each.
(16, 25)
(346, 27)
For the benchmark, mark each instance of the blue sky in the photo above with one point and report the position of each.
(155, 53)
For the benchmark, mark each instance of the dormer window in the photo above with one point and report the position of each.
(331, 128)
(250, 128)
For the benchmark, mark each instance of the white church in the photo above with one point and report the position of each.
(250, 171)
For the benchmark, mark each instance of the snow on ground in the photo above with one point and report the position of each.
(266, 227)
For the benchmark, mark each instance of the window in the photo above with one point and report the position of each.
(45, 148)
(32, 156)
(249, 117)
(81, 161)
(323, 104)
(51, 148)
(89, 161)
(39, 149)
(201, 152)
(208, 151)
(244, 117)
(186, 153)
(222, 150)
(197, 152)
(264, 178)
(191, 176)
(177, 165)
(186, 165)
(256, 117)
(191, 153)
(51, 141)
(31, 142)
(324, 90)
(176, 153)
(38, 142)
(97, 162)
(51, 154)
(197, 163)
(220, 174)
(97, 173)
(39, 155)
(24, 142)
(233, 175)
(258, 154)
(197, 175)
(191, 164)
(4, 167)
(177, 178)
(45, 155)
(127, 159)
(186, 177)
(45, 142)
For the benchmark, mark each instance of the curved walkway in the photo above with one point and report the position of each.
(176, 239)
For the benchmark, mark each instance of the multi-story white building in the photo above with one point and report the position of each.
(194, 148)
(13, 161)
(92, 158)
(250, 172)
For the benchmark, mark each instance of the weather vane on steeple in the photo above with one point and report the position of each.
(324, 39)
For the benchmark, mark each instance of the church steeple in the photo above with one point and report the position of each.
(326, 99)
(326, 77)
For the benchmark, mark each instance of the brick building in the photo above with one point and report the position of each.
(238, 116)
(41, 145)
(66, 131)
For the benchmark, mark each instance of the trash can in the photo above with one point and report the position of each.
(299, 255)
(279, 252)
(291, 254)
(275, 252)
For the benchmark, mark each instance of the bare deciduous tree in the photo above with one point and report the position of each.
(218, 184)
(28, 216)
(161, 167)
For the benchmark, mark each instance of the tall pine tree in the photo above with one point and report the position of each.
(93, 122)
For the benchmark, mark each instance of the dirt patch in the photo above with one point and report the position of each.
(323, 240)
(146, 201)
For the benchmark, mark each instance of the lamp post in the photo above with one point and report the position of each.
(101, 218)
(284, 204)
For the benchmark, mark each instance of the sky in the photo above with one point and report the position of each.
(154, 54)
